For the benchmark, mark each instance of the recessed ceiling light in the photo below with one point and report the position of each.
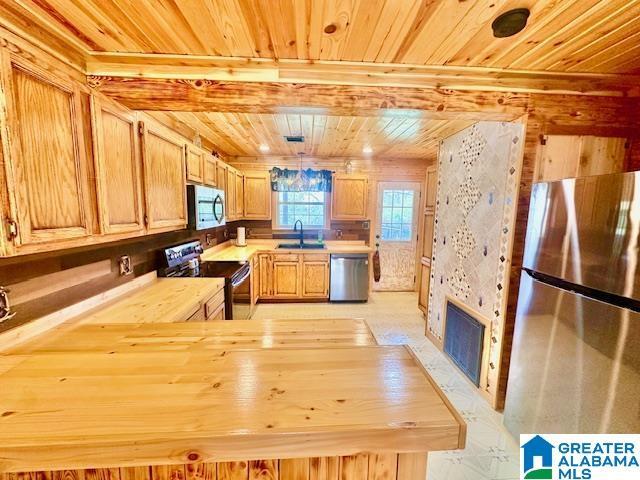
(510, 23)
(264, 147)
(367, 150)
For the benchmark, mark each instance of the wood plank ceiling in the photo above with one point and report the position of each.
(562, 35)
(239, 134)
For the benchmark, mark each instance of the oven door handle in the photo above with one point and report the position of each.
(236, 282)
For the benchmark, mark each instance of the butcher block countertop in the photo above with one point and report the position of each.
(229, 252)
(96, 410)
(165, 300)
(202, 336)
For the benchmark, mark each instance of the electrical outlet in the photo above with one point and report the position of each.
(366, 224)
(125, 265)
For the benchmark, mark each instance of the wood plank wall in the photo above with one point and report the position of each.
(43, 283)
(355, 467)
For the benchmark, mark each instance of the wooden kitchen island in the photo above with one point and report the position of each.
(346, 412)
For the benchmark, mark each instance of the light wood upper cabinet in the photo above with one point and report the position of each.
(231, 194)
(195, 163)
(118, 168)
(164, 178)
(349, 197)
(210, 170)
(239, 195)
(431, 184)
(46, 168)
(286, 278)
(257, 196)
(571, 156)
(315, 279)
(427, 234)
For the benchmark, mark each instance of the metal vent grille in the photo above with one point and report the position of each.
(463, 340)
(294, 138)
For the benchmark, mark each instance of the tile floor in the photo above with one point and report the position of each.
(491, 453)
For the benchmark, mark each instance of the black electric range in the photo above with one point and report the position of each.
(183, 261)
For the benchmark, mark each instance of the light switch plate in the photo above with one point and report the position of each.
(125, 265)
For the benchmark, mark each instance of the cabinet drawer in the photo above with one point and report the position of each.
(213, 304)
(316, 257)
(217, 314)
(286, 257)
(198, 316)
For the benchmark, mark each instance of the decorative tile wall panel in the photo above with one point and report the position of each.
(479, 171)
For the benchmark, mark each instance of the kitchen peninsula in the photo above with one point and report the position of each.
(281, 413)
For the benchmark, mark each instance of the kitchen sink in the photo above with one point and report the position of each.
(297, 245)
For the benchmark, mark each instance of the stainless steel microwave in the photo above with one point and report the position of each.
(206, 207)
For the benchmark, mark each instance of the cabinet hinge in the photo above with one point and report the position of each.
(146, 220)
(627, 145)
(543, 139)
(12, 229)
(140, 128)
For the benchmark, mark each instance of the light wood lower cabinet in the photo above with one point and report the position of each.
(286, 278)
(212, 309)
(292, 276)
(315, 279)
(425, 280)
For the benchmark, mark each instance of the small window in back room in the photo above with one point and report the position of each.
(397, 215)
(309, 207)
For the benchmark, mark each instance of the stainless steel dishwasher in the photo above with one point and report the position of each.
(349, 277)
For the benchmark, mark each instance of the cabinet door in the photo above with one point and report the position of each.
(231, 194)
(257, 196)
(221, 177)
(427, 234)
(423, 293)
(286, 279)
(239, 195)
(255, 280)
(265, 267)
(116, 154)
(315, 279)
(44, 154)
(349, 197)
(195, 164)
(164, 179)
(431, 184)
(210, 170)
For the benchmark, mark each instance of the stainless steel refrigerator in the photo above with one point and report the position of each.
(575, 363)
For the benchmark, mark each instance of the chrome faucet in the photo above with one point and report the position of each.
(295, 229)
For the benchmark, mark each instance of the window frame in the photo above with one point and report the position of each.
(275, 219)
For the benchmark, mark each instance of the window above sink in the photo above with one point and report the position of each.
(310, 207)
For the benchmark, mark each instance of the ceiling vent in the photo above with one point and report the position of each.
(510, 23)
(294, 138)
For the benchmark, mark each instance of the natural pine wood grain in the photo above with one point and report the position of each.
(199, 417)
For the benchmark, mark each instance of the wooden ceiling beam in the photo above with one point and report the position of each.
(339, 100)
(447, 77)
